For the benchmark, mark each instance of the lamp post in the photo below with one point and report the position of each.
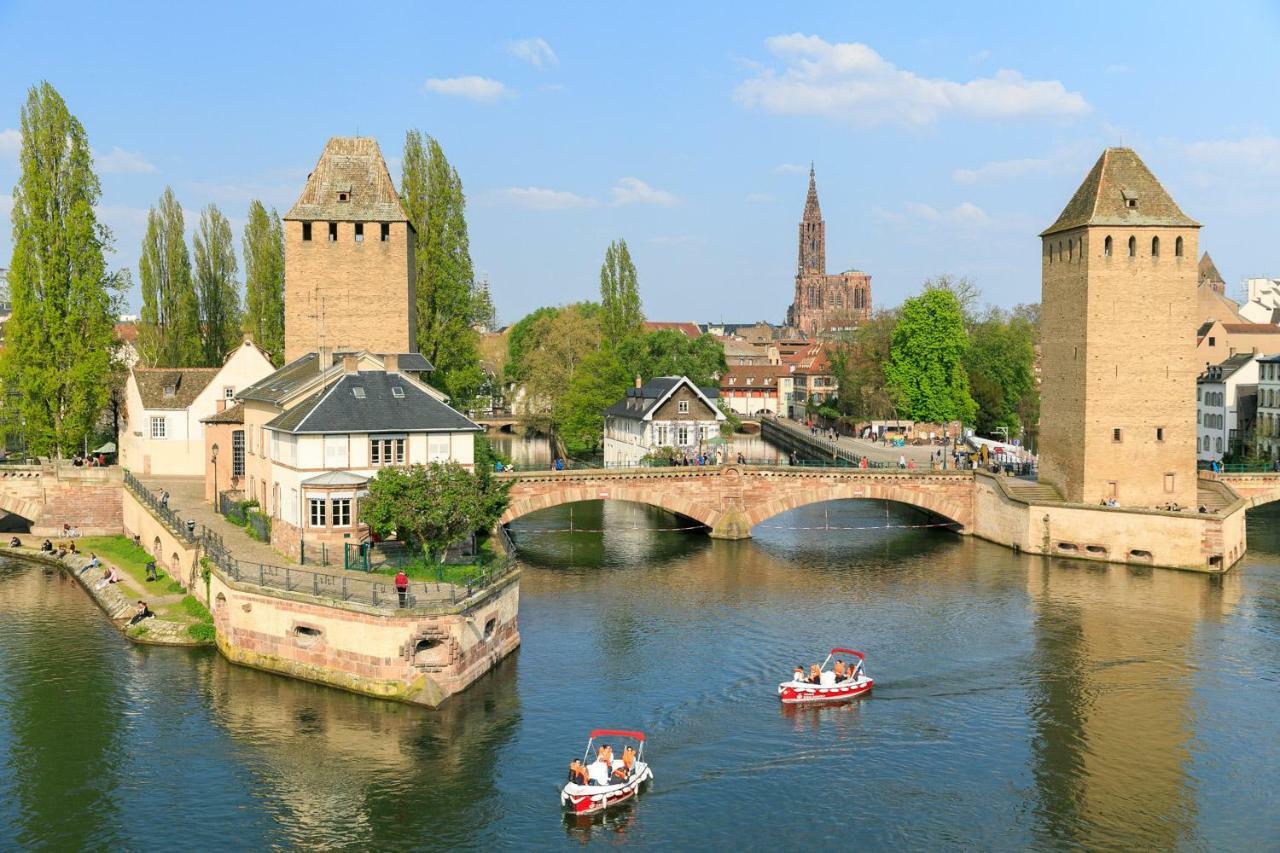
(213, 457)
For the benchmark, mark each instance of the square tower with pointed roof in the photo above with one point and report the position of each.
(348, 257)
(1119, 273)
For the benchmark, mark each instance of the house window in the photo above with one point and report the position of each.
(682, 436)
(306, 231)
(316, 506)
(683, 407)
(1106, 247)
(237, 453)
(1131, 203)
(438, 448)
(1133, 246)
(341, 512)
(1217, 444)
(386, 451)
(359, 232)
(158, 425)
(1115, 434)
(662, 435)
(344, 197)
(1212, 341)
(386, 231)
(229, 393)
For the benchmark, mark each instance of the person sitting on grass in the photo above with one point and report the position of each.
(15, 542)
(110, 576)
(46, 546)
(93, 563)
(140, 612)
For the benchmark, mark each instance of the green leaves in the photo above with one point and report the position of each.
(169, 330)
(621, 315)
(926, 370)
(433, 506)
(263, 247)
(216, 288)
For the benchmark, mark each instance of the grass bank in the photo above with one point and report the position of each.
(169, 598)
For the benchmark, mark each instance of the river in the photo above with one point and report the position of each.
(1020, 702)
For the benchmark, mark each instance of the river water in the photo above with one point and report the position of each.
(1020, 702)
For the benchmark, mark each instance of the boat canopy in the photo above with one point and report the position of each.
(617, 733)
(857, 654)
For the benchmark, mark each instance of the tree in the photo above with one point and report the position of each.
(522, 340)
(216, 287)
(169, 330)
(433, 506)
(621, 315)
(60, 337)
(597, 383)
(449, 302)
(561, 342)
(1002, 354)
(263, 247)
(857, 361)
(964, 289)
(666, 352)
(926, 369)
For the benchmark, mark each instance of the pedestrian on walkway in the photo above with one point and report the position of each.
(402, 587)
(164, 498)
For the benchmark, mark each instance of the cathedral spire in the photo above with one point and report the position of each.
(812, 213)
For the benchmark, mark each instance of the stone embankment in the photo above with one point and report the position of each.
(118, 600)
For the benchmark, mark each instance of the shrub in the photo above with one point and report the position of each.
(203, 632)
(192, 607)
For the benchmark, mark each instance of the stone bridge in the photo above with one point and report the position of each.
(53, 494)
(731, 499)
(1257, 489)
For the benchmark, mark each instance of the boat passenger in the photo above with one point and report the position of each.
(629, 759)
(838, 669)
(598, 770)
(798, 675)
(827, 678)
(577, 772)
(619, 775)
(815, 674)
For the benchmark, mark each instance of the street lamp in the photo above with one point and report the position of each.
(213, 457)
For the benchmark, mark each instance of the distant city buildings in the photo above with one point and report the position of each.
(1267, 426)
(1262, 300)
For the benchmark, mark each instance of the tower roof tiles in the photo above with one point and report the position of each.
(350, 183)
(1120, 190)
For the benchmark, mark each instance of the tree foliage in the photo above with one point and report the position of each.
(621, 314)
(858, 358)
(1002, 354)
(666, 352)
(599, 381)
(449, 302)
(558, 343)
(432, 506)
(60, 337)
(523, 339)
(217, 290)
(169, 330)
(926, 369)
(263, 247)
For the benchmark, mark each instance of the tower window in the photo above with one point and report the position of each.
(1115, 434)
(306, 231)
(1177, 247)
(343, 197)
(1159, 433)
(1106, 247)
(1071, 250)
(1131, 203)
(1155, 247)
(359, 232)
(1133, 247)
(386, 231)
(333, 232)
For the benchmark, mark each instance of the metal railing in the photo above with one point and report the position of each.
(1259, 467)
(160, 509)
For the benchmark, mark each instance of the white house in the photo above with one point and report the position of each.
(1219, 392)
(668, 414)
(1268, 423)
(1263, 305)
(164, 406)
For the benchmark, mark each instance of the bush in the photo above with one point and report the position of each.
(258, 526)
(203, 632)
(192, 607)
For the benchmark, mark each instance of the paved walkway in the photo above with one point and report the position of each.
(874, 450)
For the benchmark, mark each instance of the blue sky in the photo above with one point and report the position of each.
(945, 135)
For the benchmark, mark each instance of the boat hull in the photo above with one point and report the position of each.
(800, 693)
(593, 799)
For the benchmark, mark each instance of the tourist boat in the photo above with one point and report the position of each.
(593, 799)
(798, 692)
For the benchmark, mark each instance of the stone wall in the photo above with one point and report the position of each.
(54, 494)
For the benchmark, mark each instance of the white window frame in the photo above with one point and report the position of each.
(159, 427)
(682, 407)
(229, 392)
(340, 512)
(314, 504)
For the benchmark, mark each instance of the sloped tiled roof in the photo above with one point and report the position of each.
(1209, 270)
(337, 408)
(350, 165)
(689, 330)
(1251, 328)
(186, 382)
(639, 402)
(284, 381)
(232, 415)
(1117, 179)
(753, 375)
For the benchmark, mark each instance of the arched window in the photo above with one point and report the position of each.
(1217, 444)
(1177, 247)
(1106, 247)
(1155, 247)
(1133, 247)
(1071, 250)
(1059, 250)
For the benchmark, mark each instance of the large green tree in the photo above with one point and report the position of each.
(522, 339)
(599, 381)
(432, 506)
(926, 369)
(666, 352)
(449, 302)
(1001, 362)
(217, 290)
(263, 247)
(169, 330)
(561, 341)
(621, 314)
(60, 338)
(858, 359)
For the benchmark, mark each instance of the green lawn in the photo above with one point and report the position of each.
(131, 560)
(421, 570)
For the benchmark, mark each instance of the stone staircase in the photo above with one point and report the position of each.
(1030, 491)
(1214, 497)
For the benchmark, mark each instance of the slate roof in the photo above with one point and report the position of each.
(284, 381)
(1226, 368)
(336, 408)
(352, 165)
(1103, 199)
(232, 415)
(336, 478)
(651, 395)
(187, 383)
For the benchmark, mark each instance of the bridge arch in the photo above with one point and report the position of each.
(570, 493)
(951, 510)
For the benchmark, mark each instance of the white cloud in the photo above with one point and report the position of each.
(964, 214)
(541, 198)
(1257, 154)
(636, 191)
(850, 81)
(471, 87)
(534, 51)
(791, 169)
(1000, 170)
(10, 143)
(117, 161)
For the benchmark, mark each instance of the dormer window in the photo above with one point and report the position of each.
(397, 392)
(171, 390)
(344, 197)
(358, 392)
(682, 407)
(1131, 203)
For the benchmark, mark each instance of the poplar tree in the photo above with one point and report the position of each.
(60, 338)
(216, 286)
(169, 330)
(449, 302)
(264, 280)
(619, 294)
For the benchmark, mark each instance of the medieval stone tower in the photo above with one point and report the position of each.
(824, 302)
(1119, 273)
(348, 257)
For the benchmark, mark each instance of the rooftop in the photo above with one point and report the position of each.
(638, 403)
(350, 183)
(1120, 190)
(231, 415)
(172, 387)
(372, 401)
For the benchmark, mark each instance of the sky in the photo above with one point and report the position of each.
(945, 136)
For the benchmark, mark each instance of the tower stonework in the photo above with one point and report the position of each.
(822, 302)
(348, 257)
(1119, 273)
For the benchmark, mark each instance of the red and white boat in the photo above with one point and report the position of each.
(828, 689)
(594, 797)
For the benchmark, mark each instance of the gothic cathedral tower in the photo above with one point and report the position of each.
(812, 256)
(348, 257)
(1118, 411)
(824, 304)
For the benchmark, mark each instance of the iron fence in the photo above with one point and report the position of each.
(159, 507)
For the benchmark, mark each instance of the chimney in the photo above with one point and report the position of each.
(350, 363)
(391, 363)
(324, 358)
(220, 405)
(638, 382)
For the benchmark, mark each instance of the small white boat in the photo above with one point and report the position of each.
(593, 798)
(828, 689)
